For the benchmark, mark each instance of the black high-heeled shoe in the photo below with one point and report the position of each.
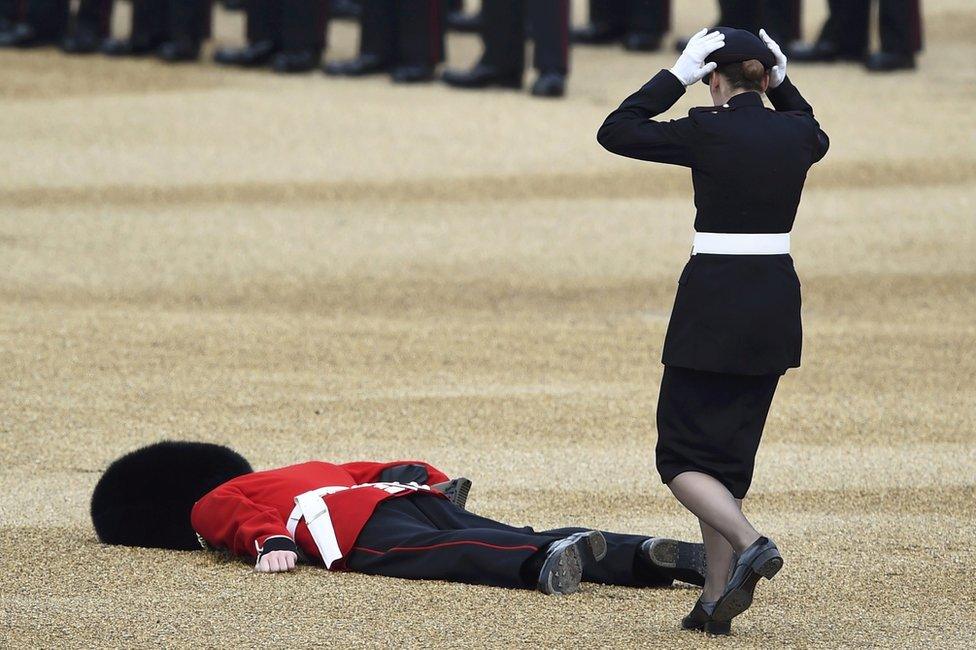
(761, 560)
(701, 621)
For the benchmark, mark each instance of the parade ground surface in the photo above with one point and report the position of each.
(302, 267)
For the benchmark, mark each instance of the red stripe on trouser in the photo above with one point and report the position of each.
(523, 547)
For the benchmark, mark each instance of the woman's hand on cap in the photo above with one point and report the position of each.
(691, 67)
(778, 72)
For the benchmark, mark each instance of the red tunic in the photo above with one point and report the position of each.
(243, 513)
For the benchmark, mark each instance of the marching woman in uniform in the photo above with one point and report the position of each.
(735, 326)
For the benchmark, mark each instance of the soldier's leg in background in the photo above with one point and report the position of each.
(503, 61)
(844, 34)
(900, 27)
(647, 21)
(420, 39)
(503, 33)
(264, 22)
(263, 33)
(741, 14)
(377, 41)
(782, 20)
(303, 25)
(607, 22)
(9, 12)
(95, 16)
(550, 21)
(46, 20)
(186, 25)
(150, 22)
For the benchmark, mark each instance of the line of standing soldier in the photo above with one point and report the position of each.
(406, 38)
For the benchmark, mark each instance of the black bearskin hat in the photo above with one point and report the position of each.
(145, 497)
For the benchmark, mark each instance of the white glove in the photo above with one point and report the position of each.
(778, 72)
(690, 67)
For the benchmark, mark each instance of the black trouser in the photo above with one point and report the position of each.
(48, 18)
(403, 32)
(9, 11)
(504, 34)
(645, 16)
(292, 25)
(780, 18)
(95, 16)
(848, 26)
(423, 537)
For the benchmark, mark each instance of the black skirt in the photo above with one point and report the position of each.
(712, 422)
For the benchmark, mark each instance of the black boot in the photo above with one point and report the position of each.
(549, 84)
(482, 76)
(455, 490)
(297, 61)
(459, 21)
(409, 74)
(761, 560)
(642, 42)
(596, 34)
(681, 561)
(181, 51)
(127, 47)
(701, 621)
(81, 41)
(361, 66)
(253, 55)
(890, 61)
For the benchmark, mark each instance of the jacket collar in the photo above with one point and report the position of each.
(745, 99)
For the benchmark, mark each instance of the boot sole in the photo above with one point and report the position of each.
(740, 598)
(565, 576)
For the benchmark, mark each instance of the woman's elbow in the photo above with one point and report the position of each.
(607, 137)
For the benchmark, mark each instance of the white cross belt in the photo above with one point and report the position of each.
(724, 243)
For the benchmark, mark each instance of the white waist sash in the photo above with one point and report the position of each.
(724, 243)
(311, 507)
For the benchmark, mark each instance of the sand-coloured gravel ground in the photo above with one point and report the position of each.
(313, 268)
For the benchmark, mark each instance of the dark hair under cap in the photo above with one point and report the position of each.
(144, 498)
(740, 45)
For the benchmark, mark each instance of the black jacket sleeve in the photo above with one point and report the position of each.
(630, 131)
(786, 97)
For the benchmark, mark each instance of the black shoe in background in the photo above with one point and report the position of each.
(549, 84)
(642, 42)
(361, 66)
(459, 21)
(596, 34)
(889, 62)
(482, 76)
(181, 51)
(81, 41)
(233, 5)
(127, 47)
(411, 74)
(251, 56)
(20, 35)
(298, 61)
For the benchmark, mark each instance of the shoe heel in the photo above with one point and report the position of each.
(768, 564)
(598, 545)
(718, 628)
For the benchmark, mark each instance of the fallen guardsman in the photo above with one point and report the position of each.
(404, 519)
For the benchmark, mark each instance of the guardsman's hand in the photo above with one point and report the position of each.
(690, 67)
(276, 562)
(778, 72)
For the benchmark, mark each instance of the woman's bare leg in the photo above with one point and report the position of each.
(714, 506)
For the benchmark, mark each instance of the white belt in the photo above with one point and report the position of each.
(311, 507)
(723, 243)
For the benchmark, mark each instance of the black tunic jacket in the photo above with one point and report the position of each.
(733, 313)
